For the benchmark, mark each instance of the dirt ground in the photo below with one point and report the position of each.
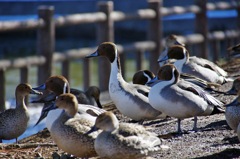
(214, 138)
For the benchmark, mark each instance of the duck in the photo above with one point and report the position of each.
(179, 98)
(235, 51)
(169, 42)
(144, 76)
(69, 131)
(90, 96)
(172, 40)
(232, 113)
(59, 85)
(185, 66)
(123, 140)
(130, 99)
(15, 121)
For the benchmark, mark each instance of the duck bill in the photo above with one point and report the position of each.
(42, 87)
(163, 59)
(36, 92)
(95, 54)
(94, 128)
(178, 43)
(234, 103)
(43, 115)
(52, 106)
(152, 81)
(98, 103)
(232, 91)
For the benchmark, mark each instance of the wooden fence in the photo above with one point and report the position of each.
(105, 18)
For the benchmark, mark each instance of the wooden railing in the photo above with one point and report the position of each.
(105, 18)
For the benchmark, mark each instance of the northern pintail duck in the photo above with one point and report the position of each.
(59, 85)
(232, 113)
(144, 76)
(181, 99)
(185, 66)
(169, 42)
(14, 122)
(90, 96)
(124, 140)
(172, 40)
(130, 99)
(68, 131)
(235, 51)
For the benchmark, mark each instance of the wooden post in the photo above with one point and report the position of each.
(216, 49)
(105, 32)
(201, 26)
(25, 79)
(140, 60)
(46, 42)
(2, 90)
(86, 73)
(66, 70)
(155, 34)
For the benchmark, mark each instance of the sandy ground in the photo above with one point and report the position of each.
(214, 138)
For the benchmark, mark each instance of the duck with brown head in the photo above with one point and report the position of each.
(185, 66)
(130, 99)
(14, 122)
(90, 96)
(181, 99)
(172, 40)
(68, 131)
(59, 85)
(123, 140)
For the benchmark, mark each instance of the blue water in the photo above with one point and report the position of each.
(211, 14)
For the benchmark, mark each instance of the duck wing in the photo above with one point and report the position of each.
(200, 92)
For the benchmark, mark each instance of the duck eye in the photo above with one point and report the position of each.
(51, 81)
(26, 87)
(103, 47)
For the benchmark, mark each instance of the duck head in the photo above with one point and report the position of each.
(24, 89)
(176, 52)
(166, 73)
(56, 84)
(107, 49)
(142, 77)
(67, 102)
(172, 40)
(95, 93)
(106, 121)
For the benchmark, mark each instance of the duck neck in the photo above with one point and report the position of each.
(20, 101)
(116, 74)
(179, 63)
